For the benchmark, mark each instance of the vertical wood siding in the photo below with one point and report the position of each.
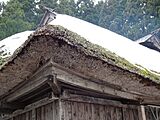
(75, 110)
(152, 113)
(24, 116)
(42, 113)
(89, 111)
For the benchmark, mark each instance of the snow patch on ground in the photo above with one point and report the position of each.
(124, 47)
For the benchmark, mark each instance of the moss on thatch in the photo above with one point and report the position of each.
(89, 48)
(100, 52)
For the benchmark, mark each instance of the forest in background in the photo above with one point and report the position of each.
(130, 18)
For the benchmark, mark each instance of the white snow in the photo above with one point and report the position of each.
(131, 51)
(143, 39)
(13, 42)
(95, 1)
(5, 1)
(124, 47)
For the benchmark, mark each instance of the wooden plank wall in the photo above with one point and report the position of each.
(89, 111)
(152, 113)
(45, 112)
(24, 116)
(76, 110)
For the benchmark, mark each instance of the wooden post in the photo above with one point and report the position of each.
(56, 110)
(141, 113)
(34, 114)
(61, 115)
(1, 117)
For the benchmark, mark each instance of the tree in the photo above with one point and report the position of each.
(111, 14)
(86, 11)
(142, 17)
(30, 9)
(12, 19)
(1, 6)
(66, 7)
(130, 18)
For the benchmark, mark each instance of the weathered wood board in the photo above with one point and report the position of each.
(88, 111)
(152, 113)
(77, 110)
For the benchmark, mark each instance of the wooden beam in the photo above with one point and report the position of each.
(5, 111)
(68, 77)
(32, 106)
(87, 99)
(141, 113)
(26, 89)
(63, 75)
(74, 79)
(37, 80)
(53, 83)
(9, 108)
(48, 16)
(150, 101)
(78, 80)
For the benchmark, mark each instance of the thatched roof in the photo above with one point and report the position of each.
(151, 41)
(122, 46)
(74, 52)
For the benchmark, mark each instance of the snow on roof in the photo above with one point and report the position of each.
(13, 42)
(143, 39)
(124, 47)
